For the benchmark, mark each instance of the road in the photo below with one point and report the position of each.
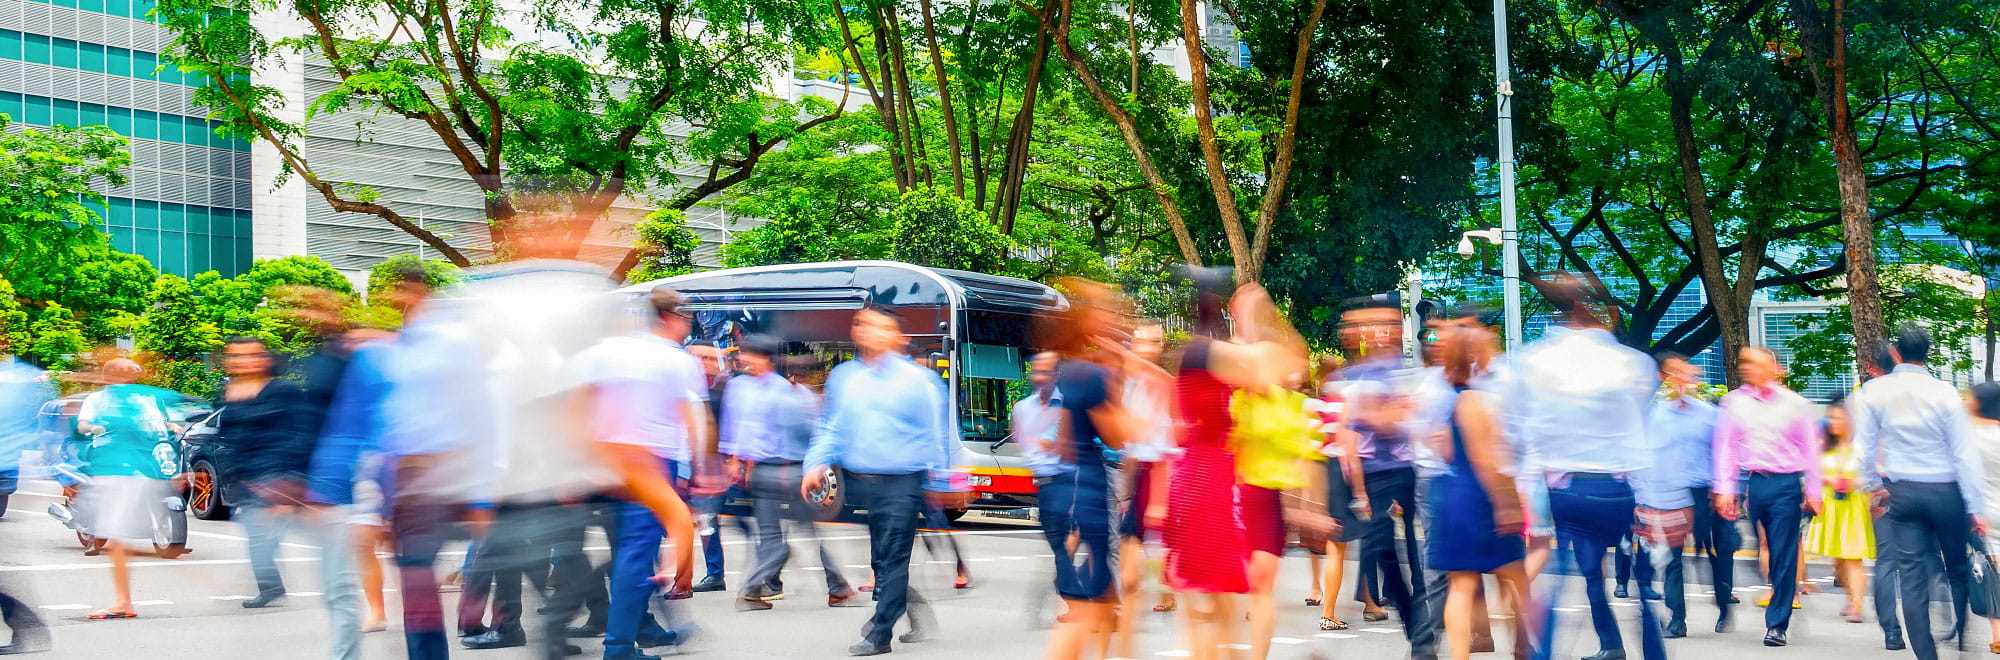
(189, 607)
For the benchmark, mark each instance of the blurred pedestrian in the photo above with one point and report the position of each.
(1147, 399)
(1930, 478)
(1683, 427)
(1579, 398)
(129, 424)
(647, 402)
(262, 422)
(767, 425)
(1772, 436)
(1474, 518)
(1985, 405)
(23, 390)
(885, 428)
(1844, 531)
(1087, 416)
(706, 482)
(1379, 406)
(1887, 588)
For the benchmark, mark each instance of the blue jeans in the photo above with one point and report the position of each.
(1774, 502)
(1591, 513)
(264, 530)
(634, 557)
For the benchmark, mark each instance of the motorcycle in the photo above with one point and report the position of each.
(170, 527)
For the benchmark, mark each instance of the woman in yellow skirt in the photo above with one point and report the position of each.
(1845, 529)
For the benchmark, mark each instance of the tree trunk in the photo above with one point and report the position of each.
(1128, 130)
(887, 113)
(1857, 225)
(1732, 318)
(1015, 172)
(913, 134)
(944, 103)
(1281, 168)
(1211, 153)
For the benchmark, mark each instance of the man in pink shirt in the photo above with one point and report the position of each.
(1767, 447)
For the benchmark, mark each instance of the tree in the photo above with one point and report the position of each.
(438, 273)
(934, 228)
(668, 246)
(48, 192)
(58, 339)
(587, 114)
(14, 337)
(237, 306)
(176, 327)
(103, 287)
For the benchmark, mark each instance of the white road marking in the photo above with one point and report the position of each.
(69, 606)
(1568, 609)
(152, 602)
(233, 537)
(303, 594)
(1334, 635)
(1176, 653)
(137, 564)
(1623, 605)
(231, 597)
(1381, 631)
(1287, 640)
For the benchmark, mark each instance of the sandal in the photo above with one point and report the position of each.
(963, 582)
(1994, 647)
(1164, 607)
(1332, 624)
(1375, 616)
(106, 615)
(1312, 602)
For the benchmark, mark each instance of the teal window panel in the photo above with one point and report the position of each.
(11, 105)
(66, 113)
(173, 252)
(118, 8)
(198, 254)
(241, 226)
(121, 239)
(91, 5)
(94, 115)
(173, 217)
(41, 111)
(145, 124)
(143, 64)
(121, 121)
(92, 58)
(140, 8)
(146, 243)
(147, 216)
(195, 131)
(242, 254)
(222, 255)
(63, 53)
(121, 211)
(197, 219)
(118, 62)
(10, 44)
(65, 3)
(35, 48)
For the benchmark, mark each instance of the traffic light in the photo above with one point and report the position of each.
(1433, 309)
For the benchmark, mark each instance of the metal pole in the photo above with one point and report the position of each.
(1509, 233)
(1411, 324)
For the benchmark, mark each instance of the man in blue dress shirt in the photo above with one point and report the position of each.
(1914, 435)
(1683, 427)
(1579, 401)
(766, 428)
(885, 427)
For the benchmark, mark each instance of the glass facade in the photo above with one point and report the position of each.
(97, 62)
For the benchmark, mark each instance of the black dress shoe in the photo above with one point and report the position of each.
(496, 639)
(1774, 637)
(1733, 600)
(710, 583)
(1607, 654)
(272, 597)
(751, 604)
(1677, 629)
(865, 648)
(588, 629)
(1723, 624)
(1649, 593)
(1893, 642)
(1621, 592)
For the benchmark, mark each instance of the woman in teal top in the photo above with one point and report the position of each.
(130, 460)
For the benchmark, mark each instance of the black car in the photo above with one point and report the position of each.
(208, 498)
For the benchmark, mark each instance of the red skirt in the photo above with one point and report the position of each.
(1206, 550)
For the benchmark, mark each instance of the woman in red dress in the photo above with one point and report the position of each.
(1208, 556)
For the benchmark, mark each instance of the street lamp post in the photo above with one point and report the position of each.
(1510, 266)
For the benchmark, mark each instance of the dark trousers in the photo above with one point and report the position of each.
(1931, 528)
(709, 530)
(1673, 578)
(29, 631)
(1774, 502)
(635, 556)
(893, 502)
(774, 491)
(1718, 537)
(1885, 587)
(419, 527)
(483, 585)
(521, 544)
(1591, 513)
(1379, 552)
(1631, 562)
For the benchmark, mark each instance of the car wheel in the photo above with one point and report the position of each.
(203, 500)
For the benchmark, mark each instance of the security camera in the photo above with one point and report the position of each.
(1465, 248)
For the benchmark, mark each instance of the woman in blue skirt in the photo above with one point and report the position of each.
(1475, 512)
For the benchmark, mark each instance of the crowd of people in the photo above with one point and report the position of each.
(530, 405)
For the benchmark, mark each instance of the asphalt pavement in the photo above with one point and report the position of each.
(189, 608)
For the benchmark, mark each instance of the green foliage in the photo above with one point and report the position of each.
(48, 201)
(101, 286)
(177, 326)
(438, 273)
(14, 321)
(666, 246)
(1931, 297)
(191, 377)
(933, 228)
(58, 339)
